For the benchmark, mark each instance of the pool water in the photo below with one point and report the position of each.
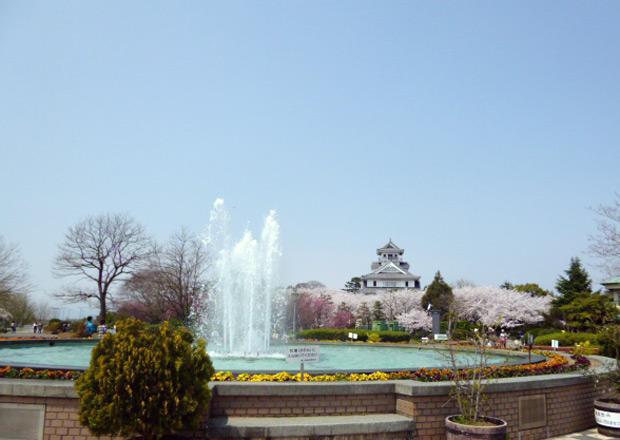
(333, 357)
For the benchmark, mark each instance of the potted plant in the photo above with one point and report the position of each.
(468, 390)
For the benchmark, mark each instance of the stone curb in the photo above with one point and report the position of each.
(265, 427)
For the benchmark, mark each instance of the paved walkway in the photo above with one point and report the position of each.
(590, 434)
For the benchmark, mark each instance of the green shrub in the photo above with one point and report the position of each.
(144, 383)
(567, 339)
(53, 327)
(460, 334)
(536, 332)
(73, 327)
(80, 330)
(339, 334)
(374, 337)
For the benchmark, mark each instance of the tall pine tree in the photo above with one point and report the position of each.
(576, 281)
(439, 294)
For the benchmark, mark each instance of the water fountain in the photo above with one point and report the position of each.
(239, 317)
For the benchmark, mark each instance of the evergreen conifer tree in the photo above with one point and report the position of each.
(439, 294)
(576, 281)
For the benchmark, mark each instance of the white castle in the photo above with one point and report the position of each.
(389, 272)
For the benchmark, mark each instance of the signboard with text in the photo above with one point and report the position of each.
(606, 418)
(303, 355)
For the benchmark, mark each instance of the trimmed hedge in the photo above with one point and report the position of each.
(342, 334)
(536, 332)
(567, 339)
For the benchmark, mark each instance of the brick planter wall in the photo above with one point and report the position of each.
(308, 405)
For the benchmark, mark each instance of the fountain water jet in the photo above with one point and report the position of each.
(239, 320)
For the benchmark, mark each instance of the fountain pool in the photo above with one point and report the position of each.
(333, 358)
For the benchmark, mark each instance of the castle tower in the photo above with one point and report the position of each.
(389, 272)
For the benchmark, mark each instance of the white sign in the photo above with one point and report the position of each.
(606, 418)
(555, 343)
(303, 355)
(440, 337)
(352, 335)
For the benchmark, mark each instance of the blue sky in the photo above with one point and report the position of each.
(474, 134)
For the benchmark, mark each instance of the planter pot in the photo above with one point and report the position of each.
(607, 414)
(458, 431)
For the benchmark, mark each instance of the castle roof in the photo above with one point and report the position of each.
(390, 247)
(390, 271)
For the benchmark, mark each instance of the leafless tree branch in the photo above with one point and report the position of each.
(605, 245)
(103, 250)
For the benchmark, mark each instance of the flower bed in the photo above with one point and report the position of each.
(556, 363)
(29, 373)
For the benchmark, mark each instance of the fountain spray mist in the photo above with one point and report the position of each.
(239, 319)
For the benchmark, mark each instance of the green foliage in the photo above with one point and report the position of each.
(377, 311)
(576, 280)
(609, 338)
(460, 334)
(364, 313)
(354, 285)
(439, 294)
(533, 289)
(80, 330)
(339, 334)
(589, 311)
(54, 327)
(536, 332)
(145, 383)
(374, 337)
(507, 285)
(567, 339)
(111, 318)
(73, 327)
(583, 349)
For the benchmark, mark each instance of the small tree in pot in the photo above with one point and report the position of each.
(468, 390)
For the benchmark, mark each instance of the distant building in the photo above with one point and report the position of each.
(613, 287)
(389, 272)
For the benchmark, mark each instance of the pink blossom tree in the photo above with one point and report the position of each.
(415, 319)
(493, 306)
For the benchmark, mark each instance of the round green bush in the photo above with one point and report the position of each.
(146, 383)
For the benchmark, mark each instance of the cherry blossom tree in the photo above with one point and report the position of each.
(415, 319)
(486, 305)
(314, 310)
(492, 306)
(606, 244)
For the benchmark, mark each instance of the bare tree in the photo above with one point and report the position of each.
(606, 244)
(21, 308)
(462, 282)
(13, 271)
(42, 311)
(101, 250)
(173, 283)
